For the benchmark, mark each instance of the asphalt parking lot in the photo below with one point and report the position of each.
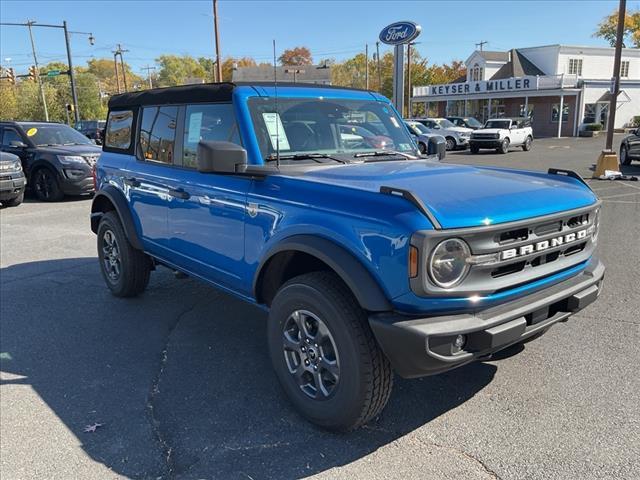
(180, 382)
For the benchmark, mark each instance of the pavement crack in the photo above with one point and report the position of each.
(166, 448)
(492, 474)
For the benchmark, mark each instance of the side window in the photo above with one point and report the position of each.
(158, 133)
(118, 133)
(212, 122)
(10, 135)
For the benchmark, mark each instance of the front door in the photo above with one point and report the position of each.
(634, 144)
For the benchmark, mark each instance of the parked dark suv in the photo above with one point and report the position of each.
(630, 147)
(92, 129)
(314, 204)
(57, 160)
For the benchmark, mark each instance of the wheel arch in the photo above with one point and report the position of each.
(112, 199)
(304, 253)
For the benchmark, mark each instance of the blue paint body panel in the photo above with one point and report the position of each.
(223, 231)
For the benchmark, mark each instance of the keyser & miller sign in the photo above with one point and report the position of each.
(483, 86)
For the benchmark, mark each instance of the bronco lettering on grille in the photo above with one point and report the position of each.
(545, 244)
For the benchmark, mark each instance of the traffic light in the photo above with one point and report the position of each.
(33, 73)
(70, 107)
(11, 75)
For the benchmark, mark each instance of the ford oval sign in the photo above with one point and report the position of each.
(399, 32)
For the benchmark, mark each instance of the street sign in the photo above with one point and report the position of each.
(53, 73)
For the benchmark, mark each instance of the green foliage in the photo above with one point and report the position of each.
(593, 127)
(635, 121)
(607, 29)
(178, 70)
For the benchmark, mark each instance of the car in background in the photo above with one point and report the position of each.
(57, 160)
(354, 136)
(12, 181)
(466, 122)
(92, 129)
(428, 142)
(456, 137)
(630, 147)
(502, 133)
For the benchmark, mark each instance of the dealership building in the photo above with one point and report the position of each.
(560, 87)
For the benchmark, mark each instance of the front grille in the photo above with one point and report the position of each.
(91, 159)
(515, 253)
(484, 136)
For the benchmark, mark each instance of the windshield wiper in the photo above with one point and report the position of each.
(385, 153)
(306, 156)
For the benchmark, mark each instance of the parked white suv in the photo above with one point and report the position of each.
(502, 133)
(457, 137)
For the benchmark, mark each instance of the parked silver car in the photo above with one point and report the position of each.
(428, 142)
(456, 137)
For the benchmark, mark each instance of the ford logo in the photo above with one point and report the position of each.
(399, 32)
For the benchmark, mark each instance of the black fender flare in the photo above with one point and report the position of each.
(366, 290)
(121, 206)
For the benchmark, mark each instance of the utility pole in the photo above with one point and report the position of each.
(148, 69)
(481, 44)
(115, 66)
(378, 67)
(72, 75)
(608, 160)
(366, 66)
(409, 78)
(35, 61)
(215, 28)
(120, 51)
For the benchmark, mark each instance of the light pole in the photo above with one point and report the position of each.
(72, 77)
(35, 62)
(378, 67)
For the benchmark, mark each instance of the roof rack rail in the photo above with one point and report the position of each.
(409, 196)
(568, 173)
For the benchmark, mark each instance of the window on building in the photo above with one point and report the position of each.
(555, 112)
(207, 122)
(118, 133)
(158, 133)
(526, 112)
(476, 73)
(589, 113)
(575, 66)
(624, 69)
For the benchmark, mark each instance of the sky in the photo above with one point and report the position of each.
(331, 28)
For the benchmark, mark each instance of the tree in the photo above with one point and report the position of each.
(296, 56)
(608, 28)
(8, 102)
(177, 70)
(104, 71)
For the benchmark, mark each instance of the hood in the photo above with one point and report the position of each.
(71, 149)
(465, 196)
(489, 130)
(460, 130)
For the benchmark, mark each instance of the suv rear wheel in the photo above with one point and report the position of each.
(526, 146)
(125, 269)
(324, 353)
(46, 186)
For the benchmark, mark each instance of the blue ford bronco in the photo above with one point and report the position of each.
(315, 204)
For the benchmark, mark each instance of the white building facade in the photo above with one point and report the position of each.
(560, 87)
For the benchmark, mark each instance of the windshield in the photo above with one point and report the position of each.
(418, 128)
(497, 124)
(472, 122)
(55, 134)
(444, 123)
(327, 126)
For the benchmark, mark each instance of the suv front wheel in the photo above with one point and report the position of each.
(125, 270)
(324, 353)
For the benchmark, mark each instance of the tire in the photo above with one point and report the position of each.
(451, 143)
(125, 270)
(474, 149)
(45, 185)
(356, 380)
(526, 146)
(422, 148)
(504, 146)
(14, 202)
(624, 155)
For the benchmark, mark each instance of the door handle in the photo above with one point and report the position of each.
(132, 182)
(179, 193)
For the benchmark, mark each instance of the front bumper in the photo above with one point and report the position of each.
(77, 185)
(424, 346)
(488, 143)
(11, 185)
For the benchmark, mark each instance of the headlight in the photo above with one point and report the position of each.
(496, 135)
(448, 262)
(71, 159)
(11, 167)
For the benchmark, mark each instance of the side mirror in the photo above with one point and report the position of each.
(18, 144)
(220, 157)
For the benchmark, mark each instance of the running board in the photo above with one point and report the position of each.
(409, 196)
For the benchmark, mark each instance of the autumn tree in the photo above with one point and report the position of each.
(103, 69)
(631, 33)
(296, 56)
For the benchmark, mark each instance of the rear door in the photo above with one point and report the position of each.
(206, 218)
(150, 174)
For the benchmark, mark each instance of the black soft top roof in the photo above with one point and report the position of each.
(201, 92)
